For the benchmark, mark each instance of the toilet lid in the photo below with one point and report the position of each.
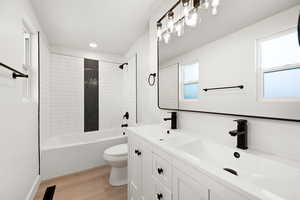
(118, 150)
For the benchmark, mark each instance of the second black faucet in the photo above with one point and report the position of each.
(173, 119)
(241, 133)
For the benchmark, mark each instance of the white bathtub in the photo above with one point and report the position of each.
(72, 153)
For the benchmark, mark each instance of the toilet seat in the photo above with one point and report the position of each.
(116, 151)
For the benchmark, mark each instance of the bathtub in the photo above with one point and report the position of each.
(77, 152)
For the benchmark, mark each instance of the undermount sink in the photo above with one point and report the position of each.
(249, 167)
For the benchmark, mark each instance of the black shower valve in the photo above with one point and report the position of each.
(126, 115)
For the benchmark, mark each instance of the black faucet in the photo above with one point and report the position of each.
(241, 133)
(173, 119)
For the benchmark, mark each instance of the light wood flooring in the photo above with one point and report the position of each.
(86, 185)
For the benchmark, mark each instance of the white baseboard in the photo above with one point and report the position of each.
(34, 188)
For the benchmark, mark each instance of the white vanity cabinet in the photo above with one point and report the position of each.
(139, 173)
(135, 172)
(189, 184)
(156, 175)
(186, 188)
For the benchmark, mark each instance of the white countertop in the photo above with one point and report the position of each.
(275, 178)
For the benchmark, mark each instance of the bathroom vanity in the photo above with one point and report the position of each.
(179, 165)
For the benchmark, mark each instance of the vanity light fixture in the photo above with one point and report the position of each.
(179, 28)
(167, 36)
(189, 16)
(93, 45)
(215, 4)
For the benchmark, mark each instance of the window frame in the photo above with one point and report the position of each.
(261, 71)
(182, 83)
(27, 48)
(27, 59)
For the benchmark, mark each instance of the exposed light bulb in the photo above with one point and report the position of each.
(170, 25)
(192, 19)
(93, 45)
(186, 11)
(215, 4)
(167, 37)
(179, 28)
(159, 34)
(170, 22)
(214, 11)
(186, 8)
(159, 31)
(205, 4)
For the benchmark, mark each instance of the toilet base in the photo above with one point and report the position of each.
(118, 176)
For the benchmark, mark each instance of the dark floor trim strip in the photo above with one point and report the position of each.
(49, 193)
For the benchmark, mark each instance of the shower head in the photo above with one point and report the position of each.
(122, 66)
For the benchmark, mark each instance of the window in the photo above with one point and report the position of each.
(190, 81)
(27, 49)
(27, 60)
(279, 64)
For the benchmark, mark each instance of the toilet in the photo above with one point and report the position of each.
(116, 156)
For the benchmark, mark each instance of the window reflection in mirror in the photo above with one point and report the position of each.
(279, 63)
(190, 81)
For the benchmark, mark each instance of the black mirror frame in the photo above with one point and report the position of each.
(216, 113)
(299, 28)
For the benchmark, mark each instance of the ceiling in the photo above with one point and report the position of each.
(113, 25)
(233, 15)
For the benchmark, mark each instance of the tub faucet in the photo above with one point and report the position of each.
(241, 133)
(173, 119)
(124, 125)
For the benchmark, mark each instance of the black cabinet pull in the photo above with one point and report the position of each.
(137, 152)
(160, 170)
(159, 196)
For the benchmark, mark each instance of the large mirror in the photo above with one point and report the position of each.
(237, 58)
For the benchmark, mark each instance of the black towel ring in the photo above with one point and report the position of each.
(152, 83)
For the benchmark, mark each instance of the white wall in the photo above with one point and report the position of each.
(87, 54)
(168, 86)
(111, 88)
(65, 93)
(66, 100)
(275, 137)
(147, 111)
(18, 117)
(129, 89)
(44, 91)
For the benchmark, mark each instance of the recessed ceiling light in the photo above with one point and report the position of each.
(93, 45)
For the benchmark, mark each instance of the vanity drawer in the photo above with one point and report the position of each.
(160, 191)
(162, 170)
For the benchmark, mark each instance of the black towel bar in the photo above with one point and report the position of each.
(222, 88)
(15, 73)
